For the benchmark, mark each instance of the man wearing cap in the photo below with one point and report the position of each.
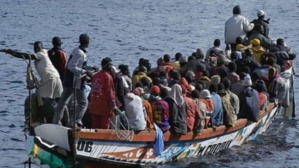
(58, 57)
(236, 26)
(261, 21)
(103, 101)
(160, 109)
(76, 66)
(49, 85)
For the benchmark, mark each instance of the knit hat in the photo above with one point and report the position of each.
(260, 13)
(138, 91)
(155, 90)
(237, 10)
(215, 79)
(84, 39)
(56, 41)
(183, 59)
(255, 42)
(106, 61)
(247, 81)
(205, 94)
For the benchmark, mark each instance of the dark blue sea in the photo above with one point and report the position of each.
(127, 30)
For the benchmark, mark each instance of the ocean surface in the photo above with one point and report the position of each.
(127, 30)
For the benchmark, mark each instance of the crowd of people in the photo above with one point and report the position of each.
(180, 95)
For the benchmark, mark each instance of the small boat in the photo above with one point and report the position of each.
(59, 146)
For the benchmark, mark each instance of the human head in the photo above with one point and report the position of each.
(166, 58)
(260, 14)
(38, 46)
(56, 41)
(155, 90)
(217, 42)
(124, 69)
(106, 63)
(213, 87)
(183, 61)
(199, 54)
(195, 94)
(84, 40)
(178, 56)
(205, 94)
(227, 84)
(143, 69)
(255, 42)
(237, 10)
(247, 81)
(232, 66)
(147, 64)
(280, 42)
(138, 91)
(239, 40)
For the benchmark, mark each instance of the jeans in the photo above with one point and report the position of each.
(81, 105)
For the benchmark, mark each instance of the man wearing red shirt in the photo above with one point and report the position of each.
(103, 98)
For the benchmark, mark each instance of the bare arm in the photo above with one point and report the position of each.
(18, 54)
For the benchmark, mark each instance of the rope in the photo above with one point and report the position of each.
(125, 134)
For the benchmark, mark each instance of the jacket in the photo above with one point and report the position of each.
(236, 26)
(102, 97)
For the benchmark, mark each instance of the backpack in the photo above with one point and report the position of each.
(229, 114)
(249, 104)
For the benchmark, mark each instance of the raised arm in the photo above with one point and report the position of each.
(18, 54)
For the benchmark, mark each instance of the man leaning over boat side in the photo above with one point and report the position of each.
(76, 66)
(236, 26)
(50, 84)
(103, 102)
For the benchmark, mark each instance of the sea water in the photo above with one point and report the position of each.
(127, 30)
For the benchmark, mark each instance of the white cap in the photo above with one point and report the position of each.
(260, 13)
(247, 81)
(205, 94)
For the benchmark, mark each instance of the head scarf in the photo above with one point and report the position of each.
(176, 94)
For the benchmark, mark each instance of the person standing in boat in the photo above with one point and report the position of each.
(49, 85)
(261, 21)
(76, 66)
(236, 26)
(58, 57)
(103, 102)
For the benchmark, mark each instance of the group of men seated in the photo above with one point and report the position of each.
(192, 93)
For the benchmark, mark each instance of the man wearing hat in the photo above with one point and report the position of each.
(103, 101)
(261, 21)
(76, 66)
(58, 57)
(236, 26)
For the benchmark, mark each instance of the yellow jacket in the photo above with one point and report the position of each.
(137, 78)
(258, 51)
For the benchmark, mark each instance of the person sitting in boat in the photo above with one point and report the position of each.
(49, 86)
(236, 26)
(258, 50)
(58, 57)
(194, 63)
(165, 66)
(160, 109)
(125, 73)
(177, 110)
(278, 88)
(194, 115)
(142, 73)
(283, 54)
(257, 33)
(259, 86)
(176, 64)
(103, 102)
(229, 114)
(234, 98)
(247, 61)
(239, 44)
(215, 49)
(261, 21)
(217, 117)
(148, 108)
(231, 74)
(135, 112)
(206, 106)
(249, 101)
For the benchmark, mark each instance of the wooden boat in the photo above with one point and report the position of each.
(56, 145)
